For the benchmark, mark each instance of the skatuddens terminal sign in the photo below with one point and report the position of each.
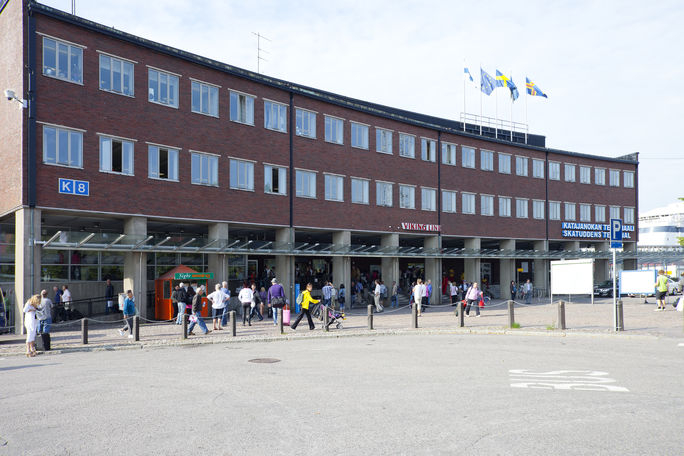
(592, 230)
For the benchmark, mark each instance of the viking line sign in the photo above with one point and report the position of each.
(420, 227)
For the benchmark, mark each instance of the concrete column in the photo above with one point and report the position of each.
(629, 265)
(571, 246)
(390, 265)
(135, 266)
(433, 268)
(472, 265)
(342, 265)
(601, 267)
(541, 267)
(506, 269)
(285, 263)
(217, 262)
(27, 261)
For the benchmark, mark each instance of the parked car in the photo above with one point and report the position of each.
(673, 287)
(605, 288)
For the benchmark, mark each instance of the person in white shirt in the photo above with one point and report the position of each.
(418, 294)
(218, 303)
(377, 292)
(66, 299)
(245, 297)
(454, 292)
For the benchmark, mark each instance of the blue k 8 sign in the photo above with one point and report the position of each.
(74, 187)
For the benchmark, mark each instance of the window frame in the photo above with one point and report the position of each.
(465, 207)
(518, 213)
(379, 191)
(425, 191)
(613, 173)
(538, 168)
(453, 195)
(209, 157)
(380, 140)
(311, 176)
(168, 149)
(238, 96)
(490, 205)
(355, 126)
(569, 176)
(329, 120)
(336, 182)
(522, 171)
(247, 165)
(310, 132)
(69, 132)
(449, 153)
(268, 115)
(123, 61)
(584, 210)
(505, 202)
(632, 218)
(507, 161)
(428, 149)
(124, 141)
(584, 174)
(554, 166)
(619, 212)
(168, 75)
(466, 157)
(629, 181)
(600, 172)
(211, 88)
(271, 167)
(554, 210)
(602, 208)
(365, 190)
(70, 46)
(566, 206)
(404, 141)
(413, 196)
(537, 207)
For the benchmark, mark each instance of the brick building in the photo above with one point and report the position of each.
(133, 157)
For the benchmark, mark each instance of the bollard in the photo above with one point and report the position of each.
(620, 320)
(461, 316)
(280, 319)
(136, 328)
(326, 319)
(185, 326)
(84, 331)
(561, 314)
(511, 314)
(370, 317)
(414, 315)
(233, 323)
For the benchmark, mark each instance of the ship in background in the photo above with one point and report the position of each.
(662, 228)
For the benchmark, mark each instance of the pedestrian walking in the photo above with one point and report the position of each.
(341, 296)
(418, 295)
(66, 300)
(109, 297)
(661, 291)
(262, 299)
(196, 317)
(275, 298)
(473, 295)
(428, 293)
(394, 300)
(306, 300)
(44, 313)
(514, 289)
(218, 304)
(256, 304)
(327, 294)
(454, 293)
(226, 291)
(129, 313)
(377, 292)
(527, 289)
(60, 313)
(31, 324)
(245, 297)
(181, 297)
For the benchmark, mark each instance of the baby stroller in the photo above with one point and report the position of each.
(334, 317)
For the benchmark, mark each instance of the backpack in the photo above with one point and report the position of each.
(300, 298)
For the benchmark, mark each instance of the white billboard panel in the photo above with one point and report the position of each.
(637, 282)
(570, 277)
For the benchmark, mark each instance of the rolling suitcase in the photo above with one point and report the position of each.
(43, 342)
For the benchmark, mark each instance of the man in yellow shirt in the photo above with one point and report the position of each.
(661, 291)
(306, 300)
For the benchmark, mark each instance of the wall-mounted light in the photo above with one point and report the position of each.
(10, 95)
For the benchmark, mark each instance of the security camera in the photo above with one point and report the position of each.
(9, 94)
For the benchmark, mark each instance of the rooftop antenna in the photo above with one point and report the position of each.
(259, 50)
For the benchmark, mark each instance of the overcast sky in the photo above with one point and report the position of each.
(613, 70)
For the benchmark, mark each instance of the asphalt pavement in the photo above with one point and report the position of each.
(409, 394)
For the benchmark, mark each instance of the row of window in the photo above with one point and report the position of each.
(64, 61)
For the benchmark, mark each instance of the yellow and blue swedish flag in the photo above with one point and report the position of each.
(533, 90)
(504, 81)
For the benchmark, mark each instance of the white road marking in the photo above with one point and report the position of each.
(564, 380)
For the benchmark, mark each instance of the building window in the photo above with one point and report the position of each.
(407, 145)
(628, 177)
(204, 98)
(275, 116)
(554, 210)
(521, 166)
(448, 201)
(116, 75)
(504, 164)
(383, 141)
(468, 203)
(428, 198)
(428, 149)
(116, 155)
(162, 88)
(504, 206)
(241, 108)
(615, 212)
(407, 197)
(486, 160)
(486, 205)
(334, 187)
(538, 168)
(241, 174)
(614, 178)
(629, 215)
(570, 211)
(62, 61)
(359, 191)
(554, 171)
(306, 184)
(449, 154)
(334, 130)
(585, 174)
(468, 157)
(162, 163)
(521, 205)
(383, 194)
(306, 123)
(600, 213)
(538, 209)
(359, 136)
(275, 180)
(569, 173)
(600, 176)
(585, 212)
(62, 147)
(204, 169)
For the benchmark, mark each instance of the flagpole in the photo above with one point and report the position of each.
(512, 100)
(464, 93)
(527, 125)
(480, 99)
(496, 113)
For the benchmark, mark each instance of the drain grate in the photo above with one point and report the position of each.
(264, 360)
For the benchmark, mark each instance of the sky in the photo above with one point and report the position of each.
(612, 70)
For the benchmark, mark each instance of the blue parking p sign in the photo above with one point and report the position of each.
(74, 187)
(615, 233)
